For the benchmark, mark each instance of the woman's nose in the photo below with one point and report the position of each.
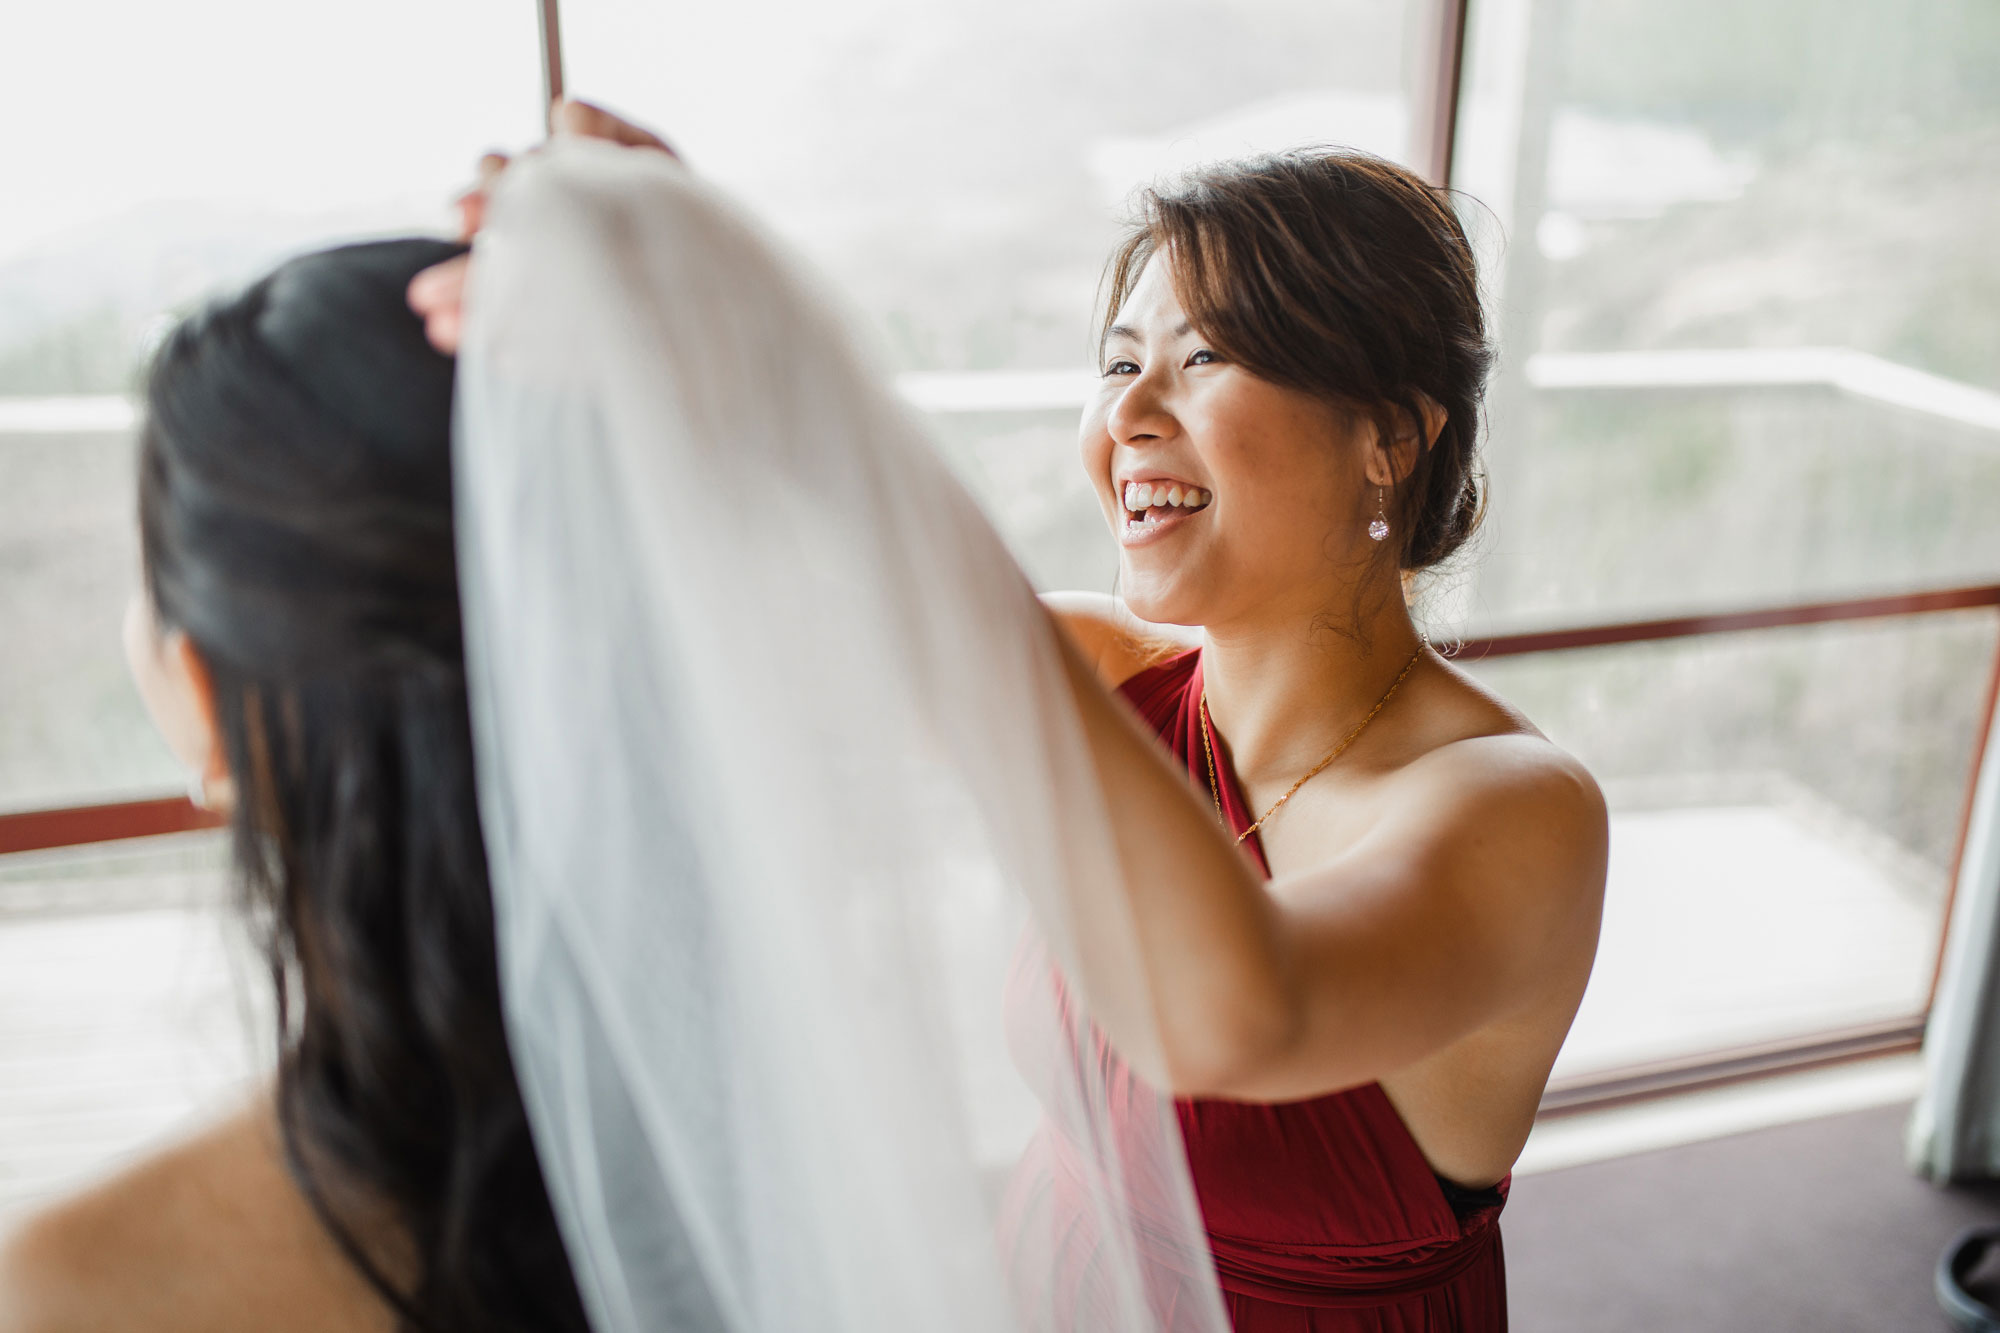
(1140, 411)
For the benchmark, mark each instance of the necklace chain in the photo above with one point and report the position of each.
(1208, 747)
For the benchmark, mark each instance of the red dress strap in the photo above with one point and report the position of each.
(1168, 697)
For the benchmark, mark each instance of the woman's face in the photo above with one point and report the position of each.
(1273, 493)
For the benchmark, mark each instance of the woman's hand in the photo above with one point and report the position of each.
(594, 122)
(438, 293)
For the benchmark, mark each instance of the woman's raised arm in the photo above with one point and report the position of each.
(1445, 917)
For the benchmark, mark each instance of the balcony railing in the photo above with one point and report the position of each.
(1858, 375)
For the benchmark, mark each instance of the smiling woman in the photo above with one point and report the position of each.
(1341, 278)
(1293, 356)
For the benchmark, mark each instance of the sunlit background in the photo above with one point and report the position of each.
(1739, 261)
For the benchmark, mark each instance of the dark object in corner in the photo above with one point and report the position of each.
(1967, 1312)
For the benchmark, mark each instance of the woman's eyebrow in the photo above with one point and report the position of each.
(1121, 331)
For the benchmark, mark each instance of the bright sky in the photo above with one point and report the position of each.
(288, 104)
(312, 105)
(337, 105)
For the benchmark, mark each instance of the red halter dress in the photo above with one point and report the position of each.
(1322, 1215)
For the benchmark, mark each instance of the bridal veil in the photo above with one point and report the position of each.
(780, 781)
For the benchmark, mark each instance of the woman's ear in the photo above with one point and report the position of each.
(211, 774)
(1389, 463)
(1434, 419)
(179, 693)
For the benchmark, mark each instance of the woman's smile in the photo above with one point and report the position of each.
(1158, 505)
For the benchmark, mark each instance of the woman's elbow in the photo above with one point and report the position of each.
(1231, 1049)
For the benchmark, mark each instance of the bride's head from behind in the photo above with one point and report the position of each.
(1292, 360)
(298, 641)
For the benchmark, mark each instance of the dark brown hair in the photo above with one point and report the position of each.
(1349, 278)
(295, 512)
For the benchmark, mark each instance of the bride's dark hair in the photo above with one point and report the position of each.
(295, 509)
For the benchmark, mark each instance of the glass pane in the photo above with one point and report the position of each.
(1024, 468)
(959, 168)
(960, 172)
(176, 148)
(126, 1006)
(1785, 805)
(1745, 298)
(70, 722)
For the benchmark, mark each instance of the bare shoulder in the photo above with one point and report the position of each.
(1513, 773)
(1521, 811)
(1481, 784)
(1484, 745)
(209, 1233)
(1117, 643)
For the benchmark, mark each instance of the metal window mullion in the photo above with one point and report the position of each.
(550, 23)
(1441, 70)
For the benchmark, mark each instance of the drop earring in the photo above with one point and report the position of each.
(1378, 527)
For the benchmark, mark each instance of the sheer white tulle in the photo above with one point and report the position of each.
(780, 779)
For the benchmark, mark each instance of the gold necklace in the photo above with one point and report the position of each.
(1208, 747)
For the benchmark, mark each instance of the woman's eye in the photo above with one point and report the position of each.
(1201, 356)
(1121, 368)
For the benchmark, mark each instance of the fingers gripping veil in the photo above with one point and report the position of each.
(792, 828)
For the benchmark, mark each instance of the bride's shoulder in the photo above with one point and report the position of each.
(1117, 643)
(208, 1233)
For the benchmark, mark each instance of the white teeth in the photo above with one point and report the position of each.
(1140, 496)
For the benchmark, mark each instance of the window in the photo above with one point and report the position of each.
(1737, 268)
(174, 149)
(960, 171)
(164, 150)
(1748, 361)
